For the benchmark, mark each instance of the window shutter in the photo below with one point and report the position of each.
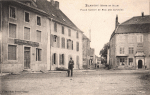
(11, 52)
(26, 33)
(53, 58)
(63, 59)
(56, 59)
(60, 62)
(58, 41)
(38, 36)
(12, 30)
(52, 40)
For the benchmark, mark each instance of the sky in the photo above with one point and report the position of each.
(99, 16)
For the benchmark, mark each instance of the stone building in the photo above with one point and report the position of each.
(37, 35)
(130, 43)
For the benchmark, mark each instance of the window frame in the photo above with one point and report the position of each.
(15, 13)
(131, 50)
(122, 50)
(16, 51)
(77, 34)
(37, 20)
(37, 37)
(24, 32)
(63, 30)
(16, 30)
(55, 27)
(37, 54)
(25, 16)
(69, 32)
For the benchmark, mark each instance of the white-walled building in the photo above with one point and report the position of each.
(37, 35)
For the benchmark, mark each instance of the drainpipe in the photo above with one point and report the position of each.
(50, 43)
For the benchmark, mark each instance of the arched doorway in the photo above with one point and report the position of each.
(140, 64)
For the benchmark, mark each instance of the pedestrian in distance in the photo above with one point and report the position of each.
(70, 67)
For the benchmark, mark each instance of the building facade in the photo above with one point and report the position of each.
(130, 44)
(86, 51)
(23, 36)
(37, 35)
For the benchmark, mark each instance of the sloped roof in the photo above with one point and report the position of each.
(48, 8)
(137, 24)
(54, 13)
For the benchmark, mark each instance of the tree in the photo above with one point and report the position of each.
(103, 52)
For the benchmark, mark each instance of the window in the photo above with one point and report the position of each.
(130, 39)
(38, 54)
(121, 59)
(77, 46)
(38, 20)
(63, 42)
(62, 30)
(130, 61)
(11, 52)
(131, 51)
(55, 38)
(12, 30)
(69, 32)
(69, 44)
(26, 33)
(54, 59)
(139, 38)
(61, 59)
(121, 50)
(55, 27)
(12, 12)
(38, 36)
(26, 16)
(77, 34)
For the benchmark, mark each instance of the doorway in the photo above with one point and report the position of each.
(26, 57)
(140, 64)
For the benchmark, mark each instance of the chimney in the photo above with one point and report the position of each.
(142, 14)
(56, 4)
(53, 2)
(116, 21)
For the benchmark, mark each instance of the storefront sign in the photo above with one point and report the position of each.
(23, 42)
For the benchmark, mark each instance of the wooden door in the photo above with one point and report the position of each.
(27, 58)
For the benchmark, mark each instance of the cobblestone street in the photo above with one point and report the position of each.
(101, 82)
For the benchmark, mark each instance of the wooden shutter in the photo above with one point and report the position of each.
(38, 36)
(12, 30)
(63, 59)
(60, 62)
(53, 58)
(11, 52)
(52, 40)
(26, 33)
(58, 41)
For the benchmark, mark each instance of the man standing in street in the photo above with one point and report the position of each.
(70, 67)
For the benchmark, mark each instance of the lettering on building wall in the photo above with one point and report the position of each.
(23, 42)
